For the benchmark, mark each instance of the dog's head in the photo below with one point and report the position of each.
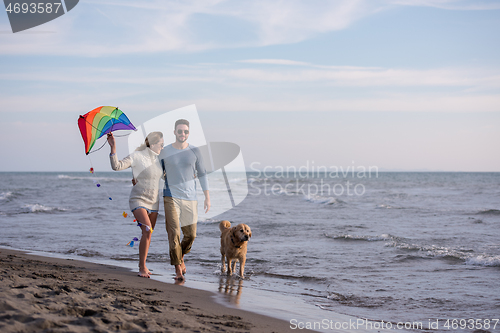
(241, 232)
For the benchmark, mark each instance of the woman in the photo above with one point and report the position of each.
(144, 195)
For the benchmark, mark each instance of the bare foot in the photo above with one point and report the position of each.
(145, 269)
(178, 273)
(183, 267)
(143, 274)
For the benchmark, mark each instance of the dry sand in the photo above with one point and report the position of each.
(41, 294)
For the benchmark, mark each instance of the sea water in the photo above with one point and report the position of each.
(392, 247)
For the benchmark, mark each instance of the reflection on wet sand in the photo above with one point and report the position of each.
(231, 287)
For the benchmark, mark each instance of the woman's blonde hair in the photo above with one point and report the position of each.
(151, 139)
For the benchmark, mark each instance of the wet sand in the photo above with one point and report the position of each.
(42, 294)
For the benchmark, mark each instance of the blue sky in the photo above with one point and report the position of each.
(403, 85)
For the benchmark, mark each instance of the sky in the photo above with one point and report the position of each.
(403, 85)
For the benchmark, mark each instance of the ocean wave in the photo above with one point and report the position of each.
(83, 252)
(483, 260)
(398, 195)
(466, 256)
(251, 180)
(293, 277)
(37, 208)
(125, 258)
(489, 212)
(109, 179)
(5, 195)
(430, 250)
(368, 238)
(209, 221)
(73, 177)
(405, 246)
(363, 301)
(351, 226)
(237, 180)
(385, 207)
(318, 199)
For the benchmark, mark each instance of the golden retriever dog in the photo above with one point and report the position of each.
(233, 246)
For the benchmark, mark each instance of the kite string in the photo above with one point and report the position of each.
(118, 136)
(93, 151)
(96, 181)
(98, 148)
(139, 224)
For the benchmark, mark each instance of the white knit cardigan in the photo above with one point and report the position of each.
(147, 171)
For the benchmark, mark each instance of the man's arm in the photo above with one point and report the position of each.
(202, 177)
(206, 204)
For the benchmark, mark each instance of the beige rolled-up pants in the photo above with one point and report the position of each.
(180, 214)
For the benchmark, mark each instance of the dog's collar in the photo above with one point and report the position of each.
(232, 241)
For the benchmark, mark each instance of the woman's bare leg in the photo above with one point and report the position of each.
(141, 216)
(152, 219)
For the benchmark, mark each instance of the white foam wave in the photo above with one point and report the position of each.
(483, 260)
(111, 179)
(70, 177)
(5, 195)
(237, 180)
(208, 221)
(318, 199)
(84, 252)
(404, 246)
(435, 251)
(429, 250)
(384, 206)
(35, 208)
(382, 237)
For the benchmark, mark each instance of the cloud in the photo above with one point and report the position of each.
(368, 77)
(404, 102)
(286, 62)
(107, 28)
(281, 101)
(261, 71)
(275, 62)
(253, 85)
(450, 4)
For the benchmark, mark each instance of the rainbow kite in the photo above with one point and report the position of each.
(100, 121)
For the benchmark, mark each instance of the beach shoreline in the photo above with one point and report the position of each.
(65, 295)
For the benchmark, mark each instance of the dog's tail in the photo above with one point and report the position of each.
(223, 225)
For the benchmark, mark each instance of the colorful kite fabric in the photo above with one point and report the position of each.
(101, 121)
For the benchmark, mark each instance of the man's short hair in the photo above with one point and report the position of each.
(181, 122)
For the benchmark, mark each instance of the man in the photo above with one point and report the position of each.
(182, 163)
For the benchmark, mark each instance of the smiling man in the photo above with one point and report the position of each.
(182, 164)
